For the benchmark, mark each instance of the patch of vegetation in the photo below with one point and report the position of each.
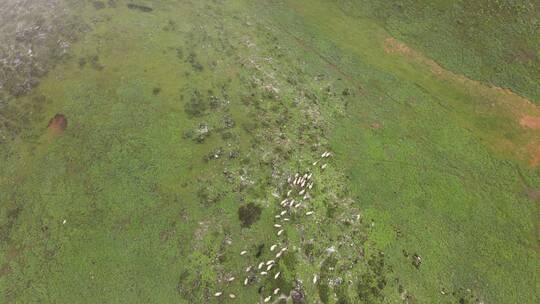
(249, 214)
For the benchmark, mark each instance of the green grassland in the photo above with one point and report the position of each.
(185, 121)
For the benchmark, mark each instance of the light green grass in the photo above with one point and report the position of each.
(149, 220)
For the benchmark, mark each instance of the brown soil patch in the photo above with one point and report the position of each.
(375, 125)
(532, 122)
(58, 123)
(5, 270)
(535, 154)
(532, 194)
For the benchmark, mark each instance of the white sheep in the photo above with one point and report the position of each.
(217, 294)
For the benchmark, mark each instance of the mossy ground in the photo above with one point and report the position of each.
(184, 121)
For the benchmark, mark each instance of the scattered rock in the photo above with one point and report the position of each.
(297, 296)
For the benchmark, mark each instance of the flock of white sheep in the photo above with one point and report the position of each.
(295, 198)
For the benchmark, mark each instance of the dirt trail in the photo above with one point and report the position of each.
(504, 101)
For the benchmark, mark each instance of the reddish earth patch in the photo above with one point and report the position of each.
(375, 125)
(58, 123)
(532, 122)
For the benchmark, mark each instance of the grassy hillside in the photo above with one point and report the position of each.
(496, 42)
(184, 122)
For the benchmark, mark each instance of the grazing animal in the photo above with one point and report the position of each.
(277, 275)
(309, 213)
(248, 269)
(315, 163)
(283, 212)
(278, 255)
(276, 291)
(264, 273)
(246, 281)
(269, 267)
(230, 279)
(302, 192)
(261, 265)
(217, 294)
(324, 166)
(280, 232)
(232, 296)
(315, 278)
(277, 216)
(277, 225)
(267, 299)
(270, 262)
(243, 252)
(273, 247)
